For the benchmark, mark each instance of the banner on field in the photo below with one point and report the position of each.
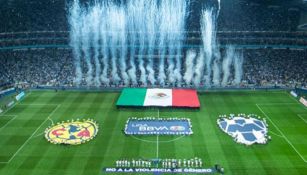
(7, 91)
(303, 101)
(301, 91)
(20, 95)
(293, 94)
(158, 127)
(139, 97)
(10, 104)
(161, 170)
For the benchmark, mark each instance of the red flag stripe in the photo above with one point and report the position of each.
(185, 98)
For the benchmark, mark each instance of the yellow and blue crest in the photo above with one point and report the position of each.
(72, 132)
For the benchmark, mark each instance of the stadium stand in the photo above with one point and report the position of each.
(54, 67)
(45, 40)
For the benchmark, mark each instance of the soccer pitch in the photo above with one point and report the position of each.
(24, 150)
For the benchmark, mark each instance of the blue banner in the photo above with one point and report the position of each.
(20, 95)
(7, 91)
(158, 127)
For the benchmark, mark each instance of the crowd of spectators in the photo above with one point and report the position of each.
(36, 67)
(251, 16)
(33, 15)
(55, 67)
(275, 67)
(235, 15)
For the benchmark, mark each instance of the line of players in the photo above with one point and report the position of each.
(182, 163)
(164, 163)
(134, 163)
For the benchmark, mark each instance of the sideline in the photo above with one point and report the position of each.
(25, 143)
(282, 134)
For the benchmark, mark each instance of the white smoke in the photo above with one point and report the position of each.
(219, 7)
(208, 33)
(216, 72)
(131, 8)
(189, 66)
(230, 51)
(162, 42)
(121, 20)
(142, 36)
(151, 18)
(238, 67)
(199, 68)
(105, 44)
(75, 32)
(169, 24)
(180, 8)
(115, 40)
(95, 25)
(126, 35)
(86, 40)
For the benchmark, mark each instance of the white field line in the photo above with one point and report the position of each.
(276, 92)
(32, 135)
(7, 115)
(275, 104)
(158, 137)
(300, 116)
(38, 135)
(282, 134)
(276, 134)
(37, 104)
(17, 115)
(52, 123)
(154, 141)
(8, 121)
(157, 154)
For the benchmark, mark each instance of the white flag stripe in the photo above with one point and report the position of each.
(158, 97)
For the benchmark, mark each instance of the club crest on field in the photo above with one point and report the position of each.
(72, 132)
(244, 129)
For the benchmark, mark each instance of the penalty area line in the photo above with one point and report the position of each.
(12, 119)
(282, 133)
(275, 104)
(25, 143)
(276, 134)
(16, 103)
(157, 153)
(52, 123)
(37, 104)
(300, 116)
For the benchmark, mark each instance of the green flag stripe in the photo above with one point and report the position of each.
(132, 97)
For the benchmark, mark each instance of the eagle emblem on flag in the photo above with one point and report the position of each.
(160, 95)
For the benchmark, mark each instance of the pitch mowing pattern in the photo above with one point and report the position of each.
(24, 150)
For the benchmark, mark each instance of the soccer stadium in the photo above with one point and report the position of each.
(92, 87)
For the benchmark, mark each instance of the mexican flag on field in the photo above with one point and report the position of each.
(158, 97)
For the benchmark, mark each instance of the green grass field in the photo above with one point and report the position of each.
(24, 150)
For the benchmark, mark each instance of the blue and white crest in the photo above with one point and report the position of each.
(245, 130)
